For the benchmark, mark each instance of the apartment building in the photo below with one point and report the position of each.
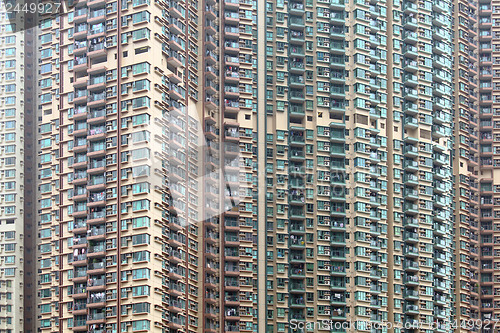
(17, 128)
(237, 166)
(142, 117)
(476, 182)
(359, 137)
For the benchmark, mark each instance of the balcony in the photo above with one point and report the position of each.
(296, 242)
(296, 67)
(97, 49)
(80, 325)
(410, 23)
(231, 4)
(297, 213)
(410, 165)
(176, 59)
(79, 47)
(96, 217)
(96, 267)
(96, 318)
(232, 18)
(410, 179)
(411, 309)
(97, 116)
(296, 8)
(411, 280)
(409, 236)
(297, 138)
(231, 32)
(96, 99)
(296, 287)
(231, 76)
(296, 154)
(296, 96)
(80, 259)
(297, 302)
(337, 32)
(80, 31)
(96, 133)
(96, 300)
(296, 197)
(411, 122)
(231, 91)
(337, 240)
(337, 255)
(296, 111)
(410, 251)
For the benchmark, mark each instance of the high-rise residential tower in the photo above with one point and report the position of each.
(238, 165)
(475, 165)
(143, 109)
(17, 168)
(359, 101)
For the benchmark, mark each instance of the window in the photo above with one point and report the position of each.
(139, 222)
(143, 33)
(45, 308)
(46, 68)
(140, 136)
(140, 205)
(140, 291)
(141, 102)
(45, 233)
(10, 259)
(46, 53)
(141, 256)
(140, 307)
(140, 119)
(45, 98)
(44, 263)
(140, 239)
(43, 143)
(141, 325)
(140, 68)
(46, 38)
(141, 17)
(141, 85)
(140, 153)
(141, 273)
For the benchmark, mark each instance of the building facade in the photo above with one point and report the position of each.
(233, 166)
(359, 114)
(476, 177)
(17, 157)
(141, 124)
